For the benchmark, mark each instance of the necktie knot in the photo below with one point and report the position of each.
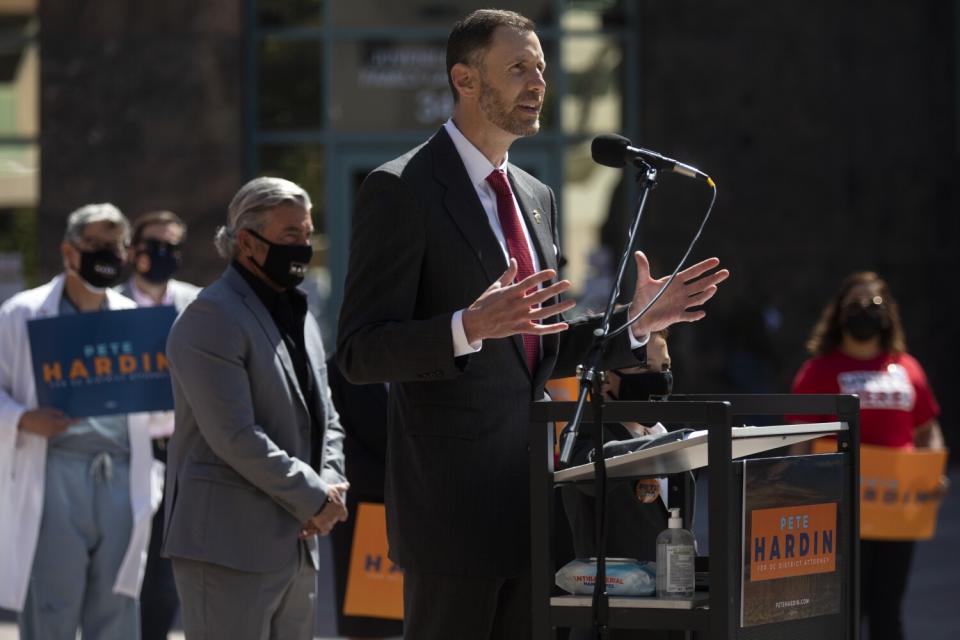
(498, 181)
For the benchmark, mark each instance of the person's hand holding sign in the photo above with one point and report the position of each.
(44, 421)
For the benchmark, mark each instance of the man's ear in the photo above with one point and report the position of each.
(67, 252)
(245, 242)
(466, 80)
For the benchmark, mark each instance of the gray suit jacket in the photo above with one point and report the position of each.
(457, 478)
(239, 480)
(182, 292)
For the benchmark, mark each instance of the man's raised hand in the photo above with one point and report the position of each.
(508, 308)
(691, 288)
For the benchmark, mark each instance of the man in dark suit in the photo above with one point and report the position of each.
(430, 308)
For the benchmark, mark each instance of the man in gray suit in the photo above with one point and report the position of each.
(452, 251)
(255, 466)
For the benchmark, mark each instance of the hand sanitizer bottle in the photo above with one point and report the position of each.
(675, 555)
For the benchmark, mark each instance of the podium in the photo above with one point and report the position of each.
(719, 446)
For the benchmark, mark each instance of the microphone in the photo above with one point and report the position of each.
(612, 150)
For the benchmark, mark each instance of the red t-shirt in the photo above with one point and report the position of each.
(895, 397)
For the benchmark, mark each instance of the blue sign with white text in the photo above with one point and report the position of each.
(103, 363)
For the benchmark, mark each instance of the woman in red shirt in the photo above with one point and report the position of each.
(858, 346)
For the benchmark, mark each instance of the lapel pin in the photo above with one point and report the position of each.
(536, 216)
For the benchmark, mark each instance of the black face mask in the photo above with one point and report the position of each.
(649, 385)
(285, 264)
(865, 323)
(165, 259)
(101, 268)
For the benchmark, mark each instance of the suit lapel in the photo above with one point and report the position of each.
(269, 327)
(463, 205)
(537, 221)
(316, 361)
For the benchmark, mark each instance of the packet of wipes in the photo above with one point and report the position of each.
(625, 577)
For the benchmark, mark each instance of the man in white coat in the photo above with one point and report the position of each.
(75, 494)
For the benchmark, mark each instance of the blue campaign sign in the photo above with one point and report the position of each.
(102, 363)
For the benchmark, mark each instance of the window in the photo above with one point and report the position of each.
(19, 148)
(338, 87)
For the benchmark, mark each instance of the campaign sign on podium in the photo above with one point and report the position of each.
(791, 538)
(103, 363)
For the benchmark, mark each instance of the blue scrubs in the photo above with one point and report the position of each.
(84, 533)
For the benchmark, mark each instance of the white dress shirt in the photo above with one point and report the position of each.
(478, 168)
(144, 300)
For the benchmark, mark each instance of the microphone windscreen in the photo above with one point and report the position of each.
(610, 150)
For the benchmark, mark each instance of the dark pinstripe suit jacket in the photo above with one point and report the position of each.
(456, 488)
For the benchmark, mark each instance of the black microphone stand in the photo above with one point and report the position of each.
(592, 376)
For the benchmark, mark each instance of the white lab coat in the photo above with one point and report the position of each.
(23, 456)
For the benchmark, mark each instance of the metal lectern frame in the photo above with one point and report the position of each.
(718, 414)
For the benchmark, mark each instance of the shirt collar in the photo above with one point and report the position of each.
(476, 164)
(268, 296)
(143, 300)
(271, 298)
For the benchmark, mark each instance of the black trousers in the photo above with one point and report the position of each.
(884, 571)
(158, 595)
(442, 607)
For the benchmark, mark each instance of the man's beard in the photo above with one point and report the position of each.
(499, 113)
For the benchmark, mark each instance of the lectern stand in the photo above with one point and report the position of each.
(717, 614)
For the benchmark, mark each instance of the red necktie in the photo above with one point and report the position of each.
(517, 248)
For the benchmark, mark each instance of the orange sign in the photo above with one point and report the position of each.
(793, 541)
(374, 583)
(898, 499)
(898, 492)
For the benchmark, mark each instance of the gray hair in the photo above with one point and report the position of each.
(91, 213)
(248, 208)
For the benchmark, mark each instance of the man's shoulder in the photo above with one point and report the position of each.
(403, 166)
(220, 292)
(29, 300)
(217, 309)
(527, 179)
(220, 296)
(182, 286)
(422, 159)
(182, 293)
